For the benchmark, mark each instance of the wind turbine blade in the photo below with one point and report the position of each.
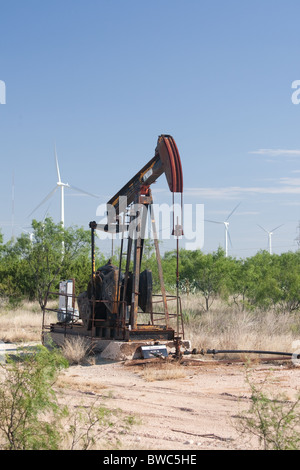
(46, 213)
(81, 191)
(262, 228)
(273, 230)
(57, 167)
(213, 221)
(233, 210)
(44, 200)
(229, 238)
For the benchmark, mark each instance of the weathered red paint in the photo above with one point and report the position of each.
(169, 155)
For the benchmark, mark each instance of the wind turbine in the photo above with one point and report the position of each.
(27, 228)
(60, 185)
(31, 235)
(226, 225)
(270, 233)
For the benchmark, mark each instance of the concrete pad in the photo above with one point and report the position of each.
(121, 350)
(117, 350)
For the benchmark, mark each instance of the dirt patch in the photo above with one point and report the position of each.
(194, 411)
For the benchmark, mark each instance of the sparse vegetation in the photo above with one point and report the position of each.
(222, 327)
(31, 417)
(272, 417)
(23, 323)
(94, 427)
(225, 326)
(163, 371)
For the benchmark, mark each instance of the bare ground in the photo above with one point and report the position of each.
(197, 411)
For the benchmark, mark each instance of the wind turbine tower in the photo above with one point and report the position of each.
(226, 225)
(13, 208)
(297, 239)
(270, 233)
(61, 185)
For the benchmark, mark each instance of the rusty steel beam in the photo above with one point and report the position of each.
(166, 160)
(159, 267)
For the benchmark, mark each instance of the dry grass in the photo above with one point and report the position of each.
(167, 371)
(76, 350)
(222, 327)
(226, 327)
(75, 382)
(22, 324)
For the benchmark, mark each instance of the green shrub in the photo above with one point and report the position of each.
(274, 420)
(26, 397)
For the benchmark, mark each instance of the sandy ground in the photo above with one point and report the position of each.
(195, 412)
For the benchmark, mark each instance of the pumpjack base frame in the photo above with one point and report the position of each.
(106, 332)
(115, 349)
(97, 332)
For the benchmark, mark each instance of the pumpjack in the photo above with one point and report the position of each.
(117, 297)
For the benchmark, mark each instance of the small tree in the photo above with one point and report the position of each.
(25, 396)
(207, 272)
(51, 253)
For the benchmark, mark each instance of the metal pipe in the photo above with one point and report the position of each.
(245, 351)
(92, 227)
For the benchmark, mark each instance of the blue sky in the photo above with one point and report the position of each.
(102, 79)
